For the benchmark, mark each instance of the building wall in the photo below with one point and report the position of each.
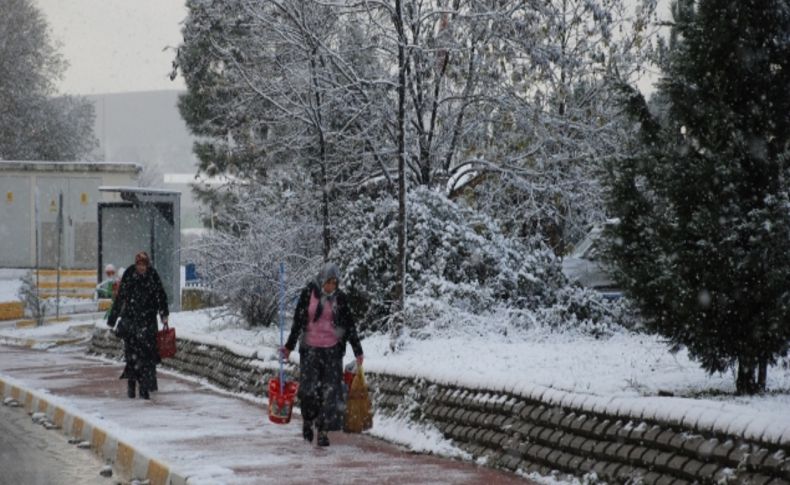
(27, 186)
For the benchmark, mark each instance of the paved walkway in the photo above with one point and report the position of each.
(214, 437)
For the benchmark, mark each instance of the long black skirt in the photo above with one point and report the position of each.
(141, 354)
(320, 386)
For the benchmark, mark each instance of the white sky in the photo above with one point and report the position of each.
(116, 45)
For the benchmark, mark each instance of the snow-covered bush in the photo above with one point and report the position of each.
(241, 263)
(455, 256)
(585, 311)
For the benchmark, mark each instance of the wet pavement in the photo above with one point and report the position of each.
(32, 455)
(216, 437)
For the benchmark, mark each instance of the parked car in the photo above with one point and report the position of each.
(584, 266)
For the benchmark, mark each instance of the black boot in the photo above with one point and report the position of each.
(130, 389)
(307, 430)
(323, 438)
(144, 393)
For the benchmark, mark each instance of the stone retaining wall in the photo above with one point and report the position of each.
(506, 430)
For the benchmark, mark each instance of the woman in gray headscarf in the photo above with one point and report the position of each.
(324, 322)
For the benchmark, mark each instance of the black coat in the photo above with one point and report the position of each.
(140, 298)
(343, 320)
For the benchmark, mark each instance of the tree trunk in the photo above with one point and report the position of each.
(745, 383)
(400, 290)
(762, 374)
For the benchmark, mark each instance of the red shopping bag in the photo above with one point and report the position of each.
(166, 342)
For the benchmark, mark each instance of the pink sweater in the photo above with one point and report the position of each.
(321, 332)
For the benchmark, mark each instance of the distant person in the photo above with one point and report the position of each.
(140, 298)
(111, 279)
(108, 288)
(324, 322)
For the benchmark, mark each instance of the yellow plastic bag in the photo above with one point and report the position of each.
(359, 411)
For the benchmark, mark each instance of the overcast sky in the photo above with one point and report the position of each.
(116, 45)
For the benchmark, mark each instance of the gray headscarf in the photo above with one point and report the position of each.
(328, 272)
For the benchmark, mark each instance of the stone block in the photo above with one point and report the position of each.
(754, 479)
(556, 417)
(611, 449)
(662, 459)
(624, 451)
(664, 438)
(739, 453)
(773, 461)
(610, 472)
(536, 431)
(636, 454)
(676, 463)
(693, 443)
(587, 465)
(536, 415)
(518, 407)
(600, 448)
(542, 453)
(708, 471)
(722, 450)
(567, 421)
(705, 449)
(692, 467)
(555, 437)
(588, 446)
(757, 457)
(553, 457)
(613, 431)
(589, 425)
(545, 435)
(601, 427)
(527, 410)
(576, 443)
(600, 468)
(676, 442)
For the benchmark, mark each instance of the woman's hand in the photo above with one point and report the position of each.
(284, 352)
(360, 358)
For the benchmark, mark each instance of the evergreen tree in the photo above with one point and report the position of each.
(703, 242)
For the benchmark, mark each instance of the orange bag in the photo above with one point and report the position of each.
(166, 342)
(359, 411)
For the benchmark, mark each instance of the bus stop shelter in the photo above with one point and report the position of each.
(144, 220)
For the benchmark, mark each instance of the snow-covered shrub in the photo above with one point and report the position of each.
(35, 306)
(455, 255)
(270, 226)
(585, 311)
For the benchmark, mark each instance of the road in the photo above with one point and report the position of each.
(32, 455)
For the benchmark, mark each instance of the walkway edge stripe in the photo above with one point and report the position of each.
(124, 456)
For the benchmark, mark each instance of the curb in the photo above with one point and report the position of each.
(33, 343)
(123, 456)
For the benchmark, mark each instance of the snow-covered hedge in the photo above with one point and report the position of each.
(459, 263)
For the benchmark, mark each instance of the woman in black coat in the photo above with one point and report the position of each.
(324, 322)
(141, 297)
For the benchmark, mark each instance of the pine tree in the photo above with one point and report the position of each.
(703, 243)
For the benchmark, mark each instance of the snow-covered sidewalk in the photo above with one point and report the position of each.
(212, 436)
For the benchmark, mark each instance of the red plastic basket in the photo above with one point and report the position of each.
(281, 401)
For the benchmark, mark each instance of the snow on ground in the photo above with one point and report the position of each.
(629, 366)
(10, 282)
